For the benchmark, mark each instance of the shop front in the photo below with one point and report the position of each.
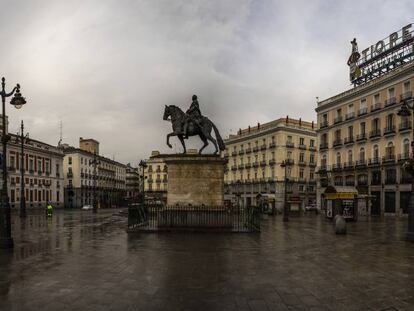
(341, 201)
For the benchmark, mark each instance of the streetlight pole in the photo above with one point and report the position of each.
(142, 164)
(285, 165)
(95, 162)
(6, 240)
(409, 166)
(23, 139)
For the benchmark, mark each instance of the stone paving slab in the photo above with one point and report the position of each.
(81, 261)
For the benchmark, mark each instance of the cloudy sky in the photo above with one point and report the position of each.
(107, 68)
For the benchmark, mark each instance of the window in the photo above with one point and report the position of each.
(301, 157)
(376, 98)
(81, 160)
(362, 128)
(31, 164)
(375, 152)
(312, 158)
(390, 121)
(339, 113)
(311, 175)
(362, 154)
(391, 92)
(289, 139)
(350, 131)
(12, 161)
(406, 87)
(406, 148)
(302, 141)
(338, 158)
(363, 104)
(375, 124)
(350, 108)
(350, 156)
(312, 143)
(337, 134)
(70, 160)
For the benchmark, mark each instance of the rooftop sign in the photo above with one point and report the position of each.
(387, 54)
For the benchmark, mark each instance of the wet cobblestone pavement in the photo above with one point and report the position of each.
(81, 261)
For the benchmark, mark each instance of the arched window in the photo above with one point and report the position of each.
(350, 158)
(389, 151)
(375, 152)
(390, 122)
(406, 149)
(323, 160)
(362, 154)
(338, 158)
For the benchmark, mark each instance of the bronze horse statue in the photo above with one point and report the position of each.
(202, 128)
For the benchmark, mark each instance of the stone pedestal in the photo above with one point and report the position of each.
(195, 180)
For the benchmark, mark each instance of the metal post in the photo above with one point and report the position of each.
(410, 232)
(285, 204)
(6, 240)
(22, 195)
(95, 203)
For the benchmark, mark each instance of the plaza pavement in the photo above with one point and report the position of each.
(81, 261)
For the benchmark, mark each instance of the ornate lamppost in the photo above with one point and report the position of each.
(23, 140)
(409, 167)
(6, 240)
(142, 164)
(94, 162)
(285, 164)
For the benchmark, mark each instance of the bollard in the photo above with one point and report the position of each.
(339, 224)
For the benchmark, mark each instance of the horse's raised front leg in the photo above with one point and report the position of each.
(168, 139)
(180, 137)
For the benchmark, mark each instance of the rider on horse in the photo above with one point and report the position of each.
(193, 114)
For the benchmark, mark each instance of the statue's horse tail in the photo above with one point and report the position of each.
(220, 141)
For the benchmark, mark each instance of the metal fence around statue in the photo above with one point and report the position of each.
(153, 218)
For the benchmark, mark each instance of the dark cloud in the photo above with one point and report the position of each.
(107, 68)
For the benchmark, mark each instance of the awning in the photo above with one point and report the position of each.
(340, 192)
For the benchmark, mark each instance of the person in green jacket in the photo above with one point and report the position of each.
(49, 210)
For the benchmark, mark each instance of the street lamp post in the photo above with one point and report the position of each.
(142, 164)
(6, 240)
(285, 164)
(95, 162)
(23, 139)
(409, 166)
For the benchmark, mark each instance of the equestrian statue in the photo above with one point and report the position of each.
(192, 123)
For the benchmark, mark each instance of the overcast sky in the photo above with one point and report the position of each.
(107, 68)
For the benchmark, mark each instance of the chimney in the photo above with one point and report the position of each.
(258, 126)
(249, 129)
(287, 120)
(300, 121)
(239, 131)
(312, 125)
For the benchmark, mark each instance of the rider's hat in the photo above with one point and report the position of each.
(194, 97)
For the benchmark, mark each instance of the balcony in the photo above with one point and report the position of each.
(337, 167)
(406, 95)
(11, 169)
(389, 130)
(390, 101)
(362, 111)
(302, 163)
(374, 161)
(312, 164)
(256, 164)
(240, 166)
(337, 142)
(361, 137)
(390, 180)
(361, 163)
(404, 126)
(272, 162)
(350, 183)
(376, 107)
(241, 152)
(290, 144)
(324, 124)
(375, 133)
(248, 150)
(272, 145)
(338, 119)
(289, 162)
(376, 181)
(303, 147)
(405, 179)
(234, 153)
(263, 163)
(312, 148)
(323, 168)
(323, 146)
(348, 165)
(248, 166)
(255, 149)
(350, 115)
(263, 147)
(389, 158)
(69, 175)
(158, 180)
(402, 157)
(349, 140)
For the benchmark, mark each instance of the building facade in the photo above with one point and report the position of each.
(132, 186)
(255, 155)
(363, 142)
(43, 173)
(88, 175)
(156, 178)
